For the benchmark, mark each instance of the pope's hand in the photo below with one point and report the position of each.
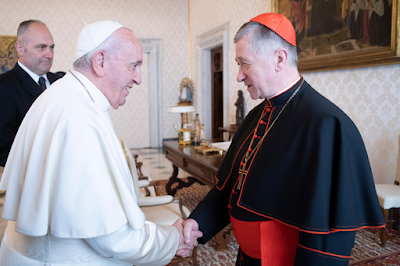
(187, 243)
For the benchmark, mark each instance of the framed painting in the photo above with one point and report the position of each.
(8, 54)
(340, 34)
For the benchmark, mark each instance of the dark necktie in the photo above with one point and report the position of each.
(42, 83)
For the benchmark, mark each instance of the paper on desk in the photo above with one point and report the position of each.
(222, 145)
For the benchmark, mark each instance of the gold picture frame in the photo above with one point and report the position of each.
(8, 53)
(342, 48)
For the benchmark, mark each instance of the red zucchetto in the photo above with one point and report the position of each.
(279, 24)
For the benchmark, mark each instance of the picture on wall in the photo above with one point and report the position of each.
(337, 34)
(8, 54)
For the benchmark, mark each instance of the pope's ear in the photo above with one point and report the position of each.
(98, 63)
(19, 47)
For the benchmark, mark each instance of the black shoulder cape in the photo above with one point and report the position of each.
(311, 171)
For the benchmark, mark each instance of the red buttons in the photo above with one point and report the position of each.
(268, 109)
(241, 163)
(255, 136)
(249, 150)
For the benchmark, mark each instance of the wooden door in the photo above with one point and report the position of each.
(217, 94)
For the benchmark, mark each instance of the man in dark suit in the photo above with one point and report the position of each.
(20, 87)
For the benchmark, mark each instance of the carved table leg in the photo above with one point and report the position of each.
(174, 179)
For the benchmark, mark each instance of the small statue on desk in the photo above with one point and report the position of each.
(239, 115)
(239, 108)
(198, 127)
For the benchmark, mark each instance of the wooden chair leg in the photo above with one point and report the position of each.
(385, 213)
(383, 236)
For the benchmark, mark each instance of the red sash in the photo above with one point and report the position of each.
(271, 241)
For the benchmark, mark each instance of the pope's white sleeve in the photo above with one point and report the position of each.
(151, 245)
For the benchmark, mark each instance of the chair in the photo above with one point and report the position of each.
(139, 165)
(145, 180)
(147, 198)
(164, 210)
(389, 198)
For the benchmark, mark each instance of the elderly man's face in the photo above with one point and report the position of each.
(38, 50)
(255, 71)
(124, 70)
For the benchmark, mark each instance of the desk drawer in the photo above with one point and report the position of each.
(175, 158)
(191, 167)
(199, 172)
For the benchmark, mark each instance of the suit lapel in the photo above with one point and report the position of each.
(52, 77)
(27, 82)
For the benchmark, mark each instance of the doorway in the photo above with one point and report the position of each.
(205, 43)
(217, 92)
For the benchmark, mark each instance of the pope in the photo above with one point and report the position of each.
(70, 198)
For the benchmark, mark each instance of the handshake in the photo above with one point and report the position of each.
(188, 234)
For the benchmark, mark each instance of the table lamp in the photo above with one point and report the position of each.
(184, 133)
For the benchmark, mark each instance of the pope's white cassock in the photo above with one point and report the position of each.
(70, 198)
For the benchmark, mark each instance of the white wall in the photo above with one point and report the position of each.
(370, 96)
(160, 19)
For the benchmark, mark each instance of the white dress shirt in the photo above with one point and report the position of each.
(34, 76)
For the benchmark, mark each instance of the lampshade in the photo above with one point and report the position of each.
(181, 109)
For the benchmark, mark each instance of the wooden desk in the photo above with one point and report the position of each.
(202, 168)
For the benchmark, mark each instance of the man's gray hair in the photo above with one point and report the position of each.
(111, 45)
(23, 29)
(264, 41)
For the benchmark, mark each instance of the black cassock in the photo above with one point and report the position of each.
(310, 172)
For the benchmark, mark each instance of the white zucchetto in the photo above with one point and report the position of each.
(93, 35)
